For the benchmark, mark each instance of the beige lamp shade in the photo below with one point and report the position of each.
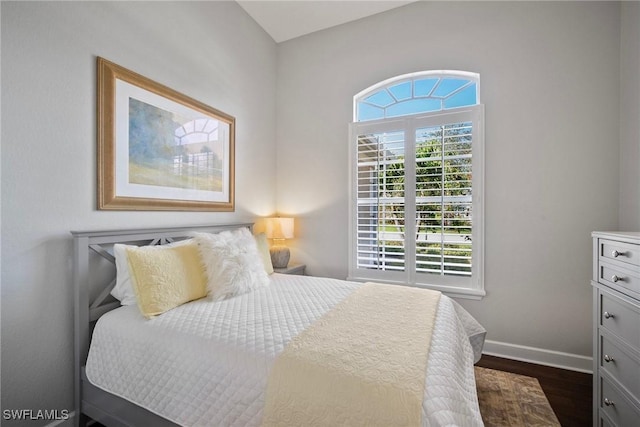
(279, 228)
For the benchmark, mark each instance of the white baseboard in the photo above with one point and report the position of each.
(556, 359)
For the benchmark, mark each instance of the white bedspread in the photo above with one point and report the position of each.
(207, 364)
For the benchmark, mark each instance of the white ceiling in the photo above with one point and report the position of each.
(288, 19)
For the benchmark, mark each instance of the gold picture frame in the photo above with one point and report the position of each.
(159, 149)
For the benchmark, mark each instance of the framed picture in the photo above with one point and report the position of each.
(159, 149)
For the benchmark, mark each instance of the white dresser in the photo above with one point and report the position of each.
(616, 329)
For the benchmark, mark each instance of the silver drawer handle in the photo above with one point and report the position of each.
(608, 358)
(609, 402)
(616, 254)
(615, 279)
(608, 315)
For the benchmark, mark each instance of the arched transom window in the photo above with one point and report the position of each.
(417, 93)
(197, 131)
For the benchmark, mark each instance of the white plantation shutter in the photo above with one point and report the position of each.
(444, 199)
(417, 199)
(380, 201)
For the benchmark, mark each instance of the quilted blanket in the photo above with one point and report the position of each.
(207, 364)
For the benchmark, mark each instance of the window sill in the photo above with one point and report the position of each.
(450, 291)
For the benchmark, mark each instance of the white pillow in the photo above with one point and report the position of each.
(123, 290)
(232, 263)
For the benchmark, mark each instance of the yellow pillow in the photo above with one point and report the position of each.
(164, 278)
(263, 250)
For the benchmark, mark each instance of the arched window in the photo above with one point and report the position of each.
(199, 149)
(199, 131)
(417, 169)
(417, 93)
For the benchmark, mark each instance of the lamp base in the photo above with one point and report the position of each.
(279, 256)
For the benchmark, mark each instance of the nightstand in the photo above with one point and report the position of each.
(291, 269)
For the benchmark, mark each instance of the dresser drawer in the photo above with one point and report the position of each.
(622, 364)
(623, 279)
(617, 407)
(604, 422)
(622, 252)
(620, 318)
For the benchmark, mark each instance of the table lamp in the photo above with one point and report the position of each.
(279, 229)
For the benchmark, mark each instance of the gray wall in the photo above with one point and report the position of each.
(630, 116)
(211, 51)
(549, 81)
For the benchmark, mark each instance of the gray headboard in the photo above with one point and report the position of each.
(94, 276)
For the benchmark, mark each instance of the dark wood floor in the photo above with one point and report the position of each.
(568, 392)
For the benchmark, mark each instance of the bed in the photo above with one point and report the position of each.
(209, 363)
